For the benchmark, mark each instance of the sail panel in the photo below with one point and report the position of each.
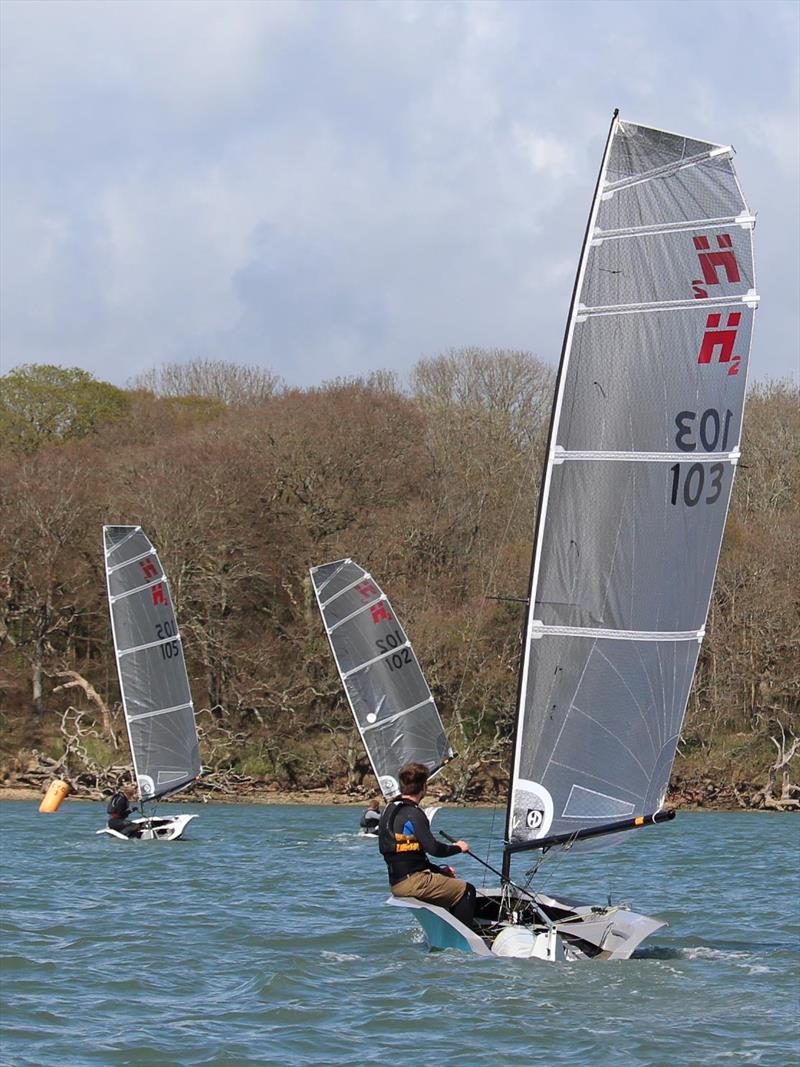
(389, 697)
(616, 531)
(622, 393)
(150, 664)
(657, 267)
(604, 747)
(642, 455)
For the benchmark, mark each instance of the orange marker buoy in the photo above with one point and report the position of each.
(54, 796)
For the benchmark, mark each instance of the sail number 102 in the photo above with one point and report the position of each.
(698, 482)
(398, 659)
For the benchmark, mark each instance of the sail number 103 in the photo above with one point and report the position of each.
(709, 430)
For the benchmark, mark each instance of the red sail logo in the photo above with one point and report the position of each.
(721, 339)
(712, 262)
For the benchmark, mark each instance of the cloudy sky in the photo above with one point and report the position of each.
(331, 187)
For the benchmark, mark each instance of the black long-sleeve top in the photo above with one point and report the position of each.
(405, 839)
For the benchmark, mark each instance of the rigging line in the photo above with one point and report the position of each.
(495, 808)
(505, 881)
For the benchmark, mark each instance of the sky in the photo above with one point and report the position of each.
(330, 188)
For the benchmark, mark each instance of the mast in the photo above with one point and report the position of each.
(544, 486)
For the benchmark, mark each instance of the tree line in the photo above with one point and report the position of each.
(243, 483)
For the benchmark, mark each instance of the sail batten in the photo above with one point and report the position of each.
(391, 702)
(720, 152)
(562, 455)
(375, 659)
(751, 298)
(644, 442)
(156, 698)
(159, 711)
(745, 220)
(540, 629)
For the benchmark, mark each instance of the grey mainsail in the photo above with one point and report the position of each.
(641, 458)
(156, 698)
(390, 699)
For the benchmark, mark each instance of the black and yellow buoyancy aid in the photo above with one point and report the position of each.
(397, 841)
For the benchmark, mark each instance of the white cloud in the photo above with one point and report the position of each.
(545, 153)
(348, 185)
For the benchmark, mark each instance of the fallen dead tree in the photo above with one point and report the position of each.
(789, 797)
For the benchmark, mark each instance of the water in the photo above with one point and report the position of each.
(261, 939)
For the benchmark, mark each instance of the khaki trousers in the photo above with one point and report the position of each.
(432, 887)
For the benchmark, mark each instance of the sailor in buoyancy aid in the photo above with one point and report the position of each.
(119, 808)
(405, 839)
(371, 818)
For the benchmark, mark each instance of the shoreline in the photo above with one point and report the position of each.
(313, 797)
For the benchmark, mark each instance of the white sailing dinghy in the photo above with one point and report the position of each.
(156, 698)
(391, 702)
(643, 446)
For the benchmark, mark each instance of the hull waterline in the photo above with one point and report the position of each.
(170, 828)
(576, 931)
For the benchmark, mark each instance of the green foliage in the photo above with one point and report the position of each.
(256, 766)
(100, 752)
(42, 403)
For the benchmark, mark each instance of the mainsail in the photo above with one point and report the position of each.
(640, 464)
(390, 699)
(152, 674)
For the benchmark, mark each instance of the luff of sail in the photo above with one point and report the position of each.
(391, 702)
(640, 465)
(156, 698)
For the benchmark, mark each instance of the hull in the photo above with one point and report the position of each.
(574, 931)
(170, 828)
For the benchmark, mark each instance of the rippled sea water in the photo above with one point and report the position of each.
(261, 939)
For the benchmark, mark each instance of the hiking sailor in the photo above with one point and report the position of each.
(405, 838)
(371, 818)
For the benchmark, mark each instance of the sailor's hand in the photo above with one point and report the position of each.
(462, 845)
(449, 872)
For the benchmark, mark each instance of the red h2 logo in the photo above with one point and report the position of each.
(367, 590)
(149, 568)
(712, 262)
(723, 339)
(379, 611)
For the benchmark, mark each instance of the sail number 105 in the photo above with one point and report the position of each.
(169, 649)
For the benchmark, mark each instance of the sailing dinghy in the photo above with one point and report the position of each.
(643, 446)
(156, 698)
(392, 705)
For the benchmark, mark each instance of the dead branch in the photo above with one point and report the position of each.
(77, 680)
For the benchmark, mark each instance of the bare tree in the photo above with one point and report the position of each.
(234, 384)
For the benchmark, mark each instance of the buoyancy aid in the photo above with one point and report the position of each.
(402, 851)
(118, 806)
